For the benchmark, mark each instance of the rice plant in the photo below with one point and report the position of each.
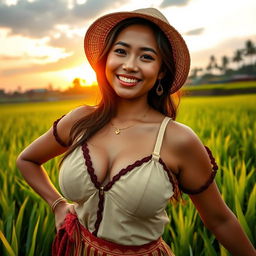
(225, 124)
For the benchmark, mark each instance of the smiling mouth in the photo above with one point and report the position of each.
(128, 81)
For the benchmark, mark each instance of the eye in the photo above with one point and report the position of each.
(120, 51)
(147, 57)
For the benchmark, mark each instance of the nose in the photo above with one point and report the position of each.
(130, 64)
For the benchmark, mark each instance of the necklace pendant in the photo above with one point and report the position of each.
(117, 131)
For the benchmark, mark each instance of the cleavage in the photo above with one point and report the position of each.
(107, 162)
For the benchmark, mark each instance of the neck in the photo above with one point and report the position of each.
(131, 110)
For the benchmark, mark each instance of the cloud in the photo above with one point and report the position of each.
(33, 19)
(167, 3)
(68, 43)
(194, 32)
(71, 61)
(93, 8)
(39, 18)
(9, 57)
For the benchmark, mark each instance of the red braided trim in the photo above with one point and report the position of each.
(125, 170)
(90, 169)
(94, 179)
(55, 133)
(213, 162)
(121, 173)
(209, 181)
(99, 213)
(172, 180)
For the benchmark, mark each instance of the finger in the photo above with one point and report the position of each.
(72, 209)
(59, 225)
(57, 228)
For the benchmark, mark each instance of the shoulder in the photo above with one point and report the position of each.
(64, 125)
(74, 115)
(181, 137)
(196, 164)
(78, 113)
(188, 148)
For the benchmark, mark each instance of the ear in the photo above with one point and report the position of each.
(161, 75)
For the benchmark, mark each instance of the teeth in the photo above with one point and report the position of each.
(128, 80)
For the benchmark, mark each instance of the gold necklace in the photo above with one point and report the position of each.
(118, 130)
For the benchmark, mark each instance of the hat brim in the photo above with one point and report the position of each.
(97, 33)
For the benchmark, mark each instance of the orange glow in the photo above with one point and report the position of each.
(84, 72)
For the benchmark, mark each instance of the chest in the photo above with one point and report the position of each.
(141, 188)
(110, 153)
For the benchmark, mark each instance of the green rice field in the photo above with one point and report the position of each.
(223, 86)
(225, 124)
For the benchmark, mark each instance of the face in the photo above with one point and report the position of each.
(133, 62)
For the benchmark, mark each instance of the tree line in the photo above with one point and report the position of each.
(223, 66)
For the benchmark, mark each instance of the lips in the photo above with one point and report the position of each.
(128, 80)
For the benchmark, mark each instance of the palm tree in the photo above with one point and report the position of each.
(224, 64)
(194, 72)
(238, 57)
(250, 50)
(212, 64)
(76, 83)
(209, 68)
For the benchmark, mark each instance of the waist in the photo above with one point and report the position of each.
(89, 237)
(78, 239)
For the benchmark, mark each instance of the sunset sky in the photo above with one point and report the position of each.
(42, 40)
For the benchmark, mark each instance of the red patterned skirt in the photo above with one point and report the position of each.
(73, 239)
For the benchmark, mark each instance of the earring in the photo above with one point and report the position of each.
(159, 88)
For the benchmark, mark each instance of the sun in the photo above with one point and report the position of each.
(84, 72)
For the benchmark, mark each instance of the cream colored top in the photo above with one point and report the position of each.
(128, 210)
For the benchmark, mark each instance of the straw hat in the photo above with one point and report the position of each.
(96, 35)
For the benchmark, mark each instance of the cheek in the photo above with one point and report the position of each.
(151, 72)
(110, 67)
(112, 62)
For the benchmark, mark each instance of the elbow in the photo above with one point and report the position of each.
(20, 161)
(23, 163)
(223, 220)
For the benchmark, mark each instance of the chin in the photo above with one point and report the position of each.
(130, 96)
(126, 96)
(129, 93)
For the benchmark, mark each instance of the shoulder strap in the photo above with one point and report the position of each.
(159, 140)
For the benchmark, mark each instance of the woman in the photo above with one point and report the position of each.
(125, 158)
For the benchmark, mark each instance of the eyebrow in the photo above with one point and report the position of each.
(141, 48)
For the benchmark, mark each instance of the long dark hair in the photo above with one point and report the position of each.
(106, 109)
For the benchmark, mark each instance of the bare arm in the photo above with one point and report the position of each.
(195, 171)
(41, 150)
(30, 163)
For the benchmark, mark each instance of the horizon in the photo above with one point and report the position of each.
(50, 51)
